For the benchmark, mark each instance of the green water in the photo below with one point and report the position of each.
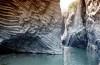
(75, 56)
(72, 56)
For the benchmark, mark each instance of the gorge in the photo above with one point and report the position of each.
(49, 26)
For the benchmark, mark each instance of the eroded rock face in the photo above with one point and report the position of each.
(93, 26)
(82, 29)
(75, 32)
(31, 25)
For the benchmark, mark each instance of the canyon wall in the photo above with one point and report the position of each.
(75, 34)
(82, 29)
(93, 26)
(36, 26)
(30, 26)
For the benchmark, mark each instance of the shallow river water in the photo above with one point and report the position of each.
(71, 56)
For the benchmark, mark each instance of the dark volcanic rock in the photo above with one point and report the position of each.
(31, 25)
(78, 40)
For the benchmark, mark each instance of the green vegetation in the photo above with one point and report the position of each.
(73, 6)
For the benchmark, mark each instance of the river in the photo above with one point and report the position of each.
(71, 56)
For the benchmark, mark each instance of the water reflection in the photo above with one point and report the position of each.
(42, 59)
(71, 56)
(75, 56)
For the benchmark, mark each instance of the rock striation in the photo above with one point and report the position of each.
(31, 26)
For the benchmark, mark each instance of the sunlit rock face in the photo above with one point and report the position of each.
(74, 32)
(31, 25)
